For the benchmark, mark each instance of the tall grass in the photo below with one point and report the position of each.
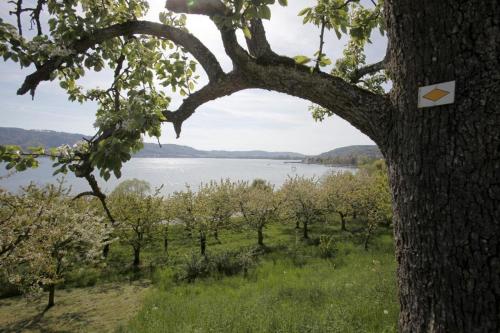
(292, 289)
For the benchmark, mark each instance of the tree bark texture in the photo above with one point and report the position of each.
(444, 164)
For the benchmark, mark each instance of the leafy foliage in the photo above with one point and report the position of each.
(301, 201)
(138, 214)
(44, 234)
(258, 204)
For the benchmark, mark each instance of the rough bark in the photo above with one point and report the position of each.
(444, 164)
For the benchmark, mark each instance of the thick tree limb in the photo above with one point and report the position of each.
(258, 44)
(211, 8)
(180, 37)
(363, 109)
(226, 85)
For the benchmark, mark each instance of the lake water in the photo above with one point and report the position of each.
(174, 173)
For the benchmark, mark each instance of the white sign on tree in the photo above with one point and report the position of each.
(436, 94)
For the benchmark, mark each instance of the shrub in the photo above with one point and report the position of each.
(327, 246)
(195, 267)
(225, 263)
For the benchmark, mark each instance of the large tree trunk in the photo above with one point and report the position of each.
(444, 164)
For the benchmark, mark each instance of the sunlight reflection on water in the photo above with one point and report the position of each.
(174, 173)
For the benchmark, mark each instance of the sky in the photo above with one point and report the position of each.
(247, 120)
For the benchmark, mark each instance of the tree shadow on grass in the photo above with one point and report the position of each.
(37, 323)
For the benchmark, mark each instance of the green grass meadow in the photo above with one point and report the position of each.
(291, 288)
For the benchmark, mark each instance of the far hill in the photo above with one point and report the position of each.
(350, 155)
(29, 138)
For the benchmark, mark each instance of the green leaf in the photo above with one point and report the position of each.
(283, 2)
(238, 4)
(325, 62)
(10, 165)
(265, 12)
(337, 32)
(301, 60)
(252, 13)
(247, 32)
(304, 11)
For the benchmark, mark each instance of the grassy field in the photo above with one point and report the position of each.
(92, 309)
(288, 287)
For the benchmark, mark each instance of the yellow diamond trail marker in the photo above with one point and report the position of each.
(436, 94)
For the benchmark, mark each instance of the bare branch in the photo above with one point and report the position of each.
(369, 69)
(35, 16)
(321, 43)
(18, 12)
(96, 191)
(180, 37)
(83, 194)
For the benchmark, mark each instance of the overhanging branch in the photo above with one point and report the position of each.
(227, 85)
(180, 37)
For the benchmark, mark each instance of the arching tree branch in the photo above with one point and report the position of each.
(227, 85)
(180, 37)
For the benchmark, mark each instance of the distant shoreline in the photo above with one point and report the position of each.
(351, 166)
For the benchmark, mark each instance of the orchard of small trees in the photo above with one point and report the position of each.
(45, 233)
